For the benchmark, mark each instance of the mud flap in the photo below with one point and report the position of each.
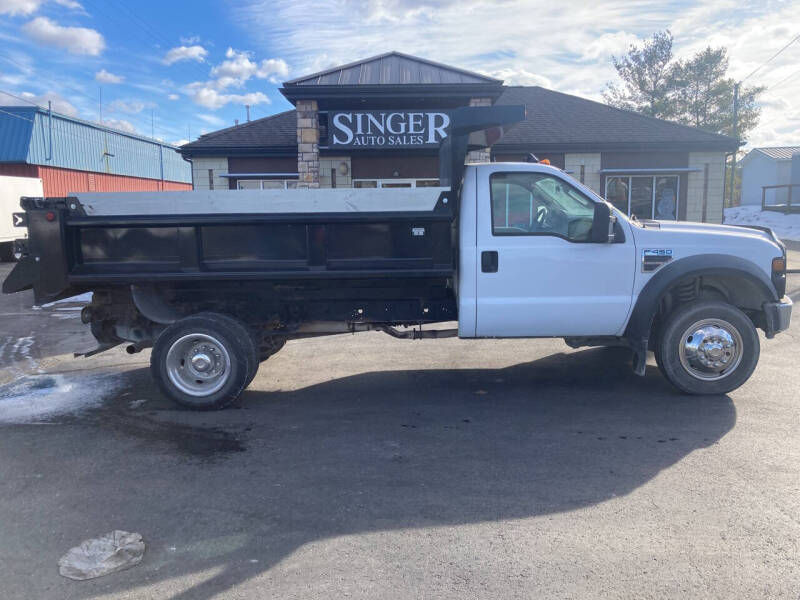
(640, 357)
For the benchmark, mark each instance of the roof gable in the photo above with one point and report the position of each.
(393, 68)
(557, 119)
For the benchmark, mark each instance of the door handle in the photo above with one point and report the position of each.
(489, 261)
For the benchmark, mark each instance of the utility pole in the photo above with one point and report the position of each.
(736, 135)
(152, 124)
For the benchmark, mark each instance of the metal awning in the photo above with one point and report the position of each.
(260, 175)
(658, 170)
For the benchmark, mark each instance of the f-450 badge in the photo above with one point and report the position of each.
(654, 258)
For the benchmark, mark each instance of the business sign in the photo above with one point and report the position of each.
(387, 129)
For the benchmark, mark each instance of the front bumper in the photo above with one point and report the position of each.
(778, 315)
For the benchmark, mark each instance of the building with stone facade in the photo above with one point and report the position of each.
(378, 122)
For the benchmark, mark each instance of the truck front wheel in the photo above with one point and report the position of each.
(204, 361)
(707, 347)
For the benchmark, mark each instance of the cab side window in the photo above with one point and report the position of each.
(525, 203)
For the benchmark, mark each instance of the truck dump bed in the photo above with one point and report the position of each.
(128, 237)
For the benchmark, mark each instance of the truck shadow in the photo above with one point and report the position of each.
(386, 451)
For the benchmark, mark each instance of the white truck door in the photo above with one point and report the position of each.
(536, 273)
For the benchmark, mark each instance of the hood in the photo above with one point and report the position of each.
(681, 239)
(712, 229)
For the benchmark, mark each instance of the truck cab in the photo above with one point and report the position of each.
(529, 265)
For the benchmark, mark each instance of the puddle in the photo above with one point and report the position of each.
(186, 440)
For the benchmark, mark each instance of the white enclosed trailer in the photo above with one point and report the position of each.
(11, 190)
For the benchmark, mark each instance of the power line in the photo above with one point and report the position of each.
(90, 140)
(139, 120)
(782, 81)
(19, 98)
(757, 69)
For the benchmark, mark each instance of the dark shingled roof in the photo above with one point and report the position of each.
(554, 122)
(275, 131)
(561, 121)
(392, 68)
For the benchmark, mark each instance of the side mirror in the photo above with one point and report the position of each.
(603, 224)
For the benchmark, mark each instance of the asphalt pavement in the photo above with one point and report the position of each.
(369, 467)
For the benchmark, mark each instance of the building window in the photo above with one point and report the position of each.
(645, 196)
(266, 184)
(394, 183)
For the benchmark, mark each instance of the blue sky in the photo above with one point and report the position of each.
(190, 67)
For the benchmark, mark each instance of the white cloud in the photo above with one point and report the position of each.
(28, 7)
(104, 76)
(211, 119)
(180, 53)
(19, 7)
(238, 68)
(190, 40)
(513, 76)
(610, 44)
(209, 97)
(180, 142)
(76, 40)
(120, 124)
(70, 4)
(174, 97)
(130, 107)
(59, 103)
(565, 47)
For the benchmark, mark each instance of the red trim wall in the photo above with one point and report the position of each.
(61, 182)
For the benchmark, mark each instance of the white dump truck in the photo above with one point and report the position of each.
(217, 281)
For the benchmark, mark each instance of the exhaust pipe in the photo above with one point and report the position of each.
(137, 347)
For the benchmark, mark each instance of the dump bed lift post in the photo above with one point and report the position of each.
(478, 126)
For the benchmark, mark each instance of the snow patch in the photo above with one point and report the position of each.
(41, 398)
(81, 298)
(786, 227)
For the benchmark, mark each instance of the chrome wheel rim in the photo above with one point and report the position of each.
(198, 364)
(710, 349)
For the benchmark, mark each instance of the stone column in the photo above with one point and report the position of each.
(308, 143)
(483, 154)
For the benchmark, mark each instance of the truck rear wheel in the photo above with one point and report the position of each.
(204, 361)
(707, 347)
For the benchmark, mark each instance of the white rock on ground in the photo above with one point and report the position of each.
(112, 552)
(786, 227)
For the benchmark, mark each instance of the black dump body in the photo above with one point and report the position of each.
(69, 251)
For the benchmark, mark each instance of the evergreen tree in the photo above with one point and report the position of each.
(695, 91)
(704, 95)
(646, 74)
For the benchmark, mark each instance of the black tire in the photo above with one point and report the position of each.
(729, 333)
(235, 343)
(255, 361)
(270, 346)
(7, 252)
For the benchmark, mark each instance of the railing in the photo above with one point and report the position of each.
(780, 207)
